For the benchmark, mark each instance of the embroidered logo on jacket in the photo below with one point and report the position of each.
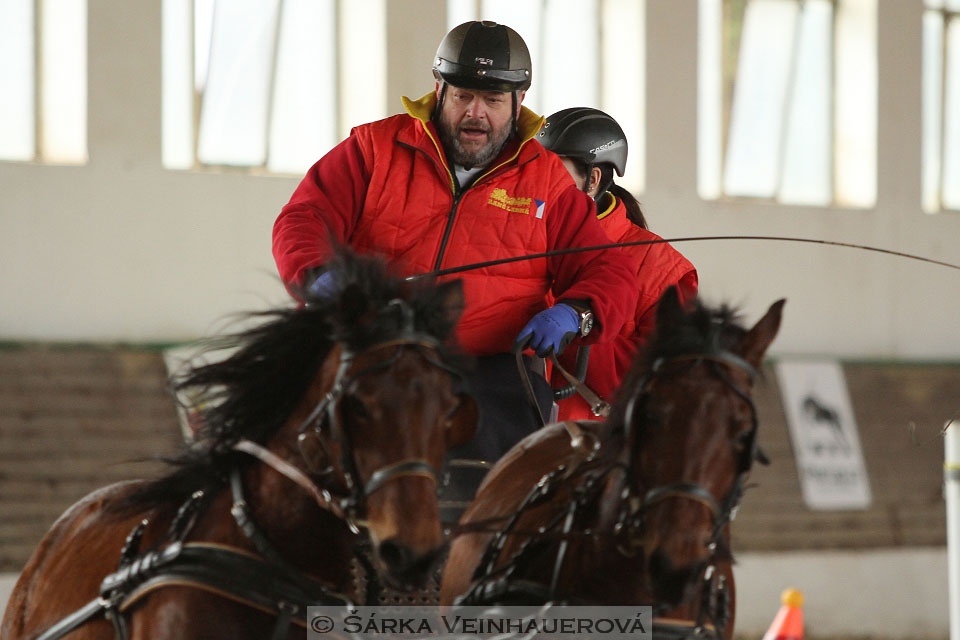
(500, 199)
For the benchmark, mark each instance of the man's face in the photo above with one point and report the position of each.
(474, 124)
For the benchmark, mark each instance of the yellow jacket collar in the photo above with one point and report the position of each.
(613, 205)
(528, 123)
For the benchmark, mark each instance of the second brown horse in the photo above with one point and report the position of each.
(634, 511)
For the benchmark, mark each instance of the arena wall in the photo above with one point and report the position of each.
(122, 250)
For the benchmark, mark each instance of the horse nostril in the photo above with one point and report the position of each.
(660, 563)
(396, 556)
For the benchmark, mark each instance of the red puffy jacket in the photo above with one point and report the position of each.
(388, 190)
(658, 267)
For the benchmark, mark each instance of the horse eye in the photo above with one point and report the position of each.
(743, 440)
(354, 407)
(454, 406)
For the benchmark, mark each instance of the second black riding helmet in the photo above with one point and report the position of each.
(484, 56)
(587, 134)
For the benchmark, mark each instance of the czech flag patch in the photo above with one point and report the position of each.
(540, 204)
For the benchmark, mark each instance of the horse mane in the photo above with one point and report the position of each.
(681, 330)
(252, 393)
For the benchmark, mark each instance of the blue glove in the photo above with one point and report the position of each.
(550, 331)
(323, 286)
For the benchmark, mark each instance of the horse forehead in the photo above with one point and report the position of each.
(410, 369)
(700, 385)
(695, 414)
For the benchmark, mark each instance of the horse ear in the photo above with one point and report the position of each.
(462, 424)
(755, 343)
(669, 309)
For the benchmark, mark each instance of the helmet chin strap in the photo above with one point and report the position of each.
(586, 183)
(439, 108)
(601, 189)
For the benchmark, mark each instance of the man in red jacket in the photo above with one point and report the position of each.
(459, 179)
(592, 146)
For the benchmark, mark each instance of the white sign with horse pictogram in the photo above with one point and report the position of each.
(823, 431)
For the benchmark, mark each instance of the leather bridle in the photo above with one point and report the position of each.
(723, 510)
(324, 424)
(696, 491)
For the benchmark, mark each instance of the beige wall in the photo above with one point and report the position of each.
(121, 249)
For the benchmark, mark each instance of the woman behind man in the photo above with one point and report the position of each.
(592, 146)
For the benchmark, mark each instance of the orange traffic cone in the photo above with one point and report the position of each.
(788, 625)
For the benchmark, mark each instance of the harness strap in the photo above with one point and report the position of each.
(323, 497)
(528, 386)
(230, 572)
(119, 623)
(720, 356)
(599, 406)
(682, 490)
(505, 590)
(409, 467)
(240, 511)
(89, 611)
(282, 625)
(583, 361)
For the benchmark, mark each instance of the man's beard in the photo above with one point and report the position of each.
(449, 137)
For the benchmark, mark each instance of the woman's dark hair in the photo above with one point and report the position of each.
(634, 212)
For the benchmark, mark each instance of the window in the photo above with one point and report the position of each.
(43, 81)
(268, 84)
(788, 101)
(941, 105)
(585, 53)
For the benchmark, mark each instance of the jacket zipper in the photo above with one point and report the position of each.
(458, 196)
(446, 232)
(453, 209)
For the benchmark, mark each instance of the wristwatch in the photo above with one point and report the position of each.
(586, 315)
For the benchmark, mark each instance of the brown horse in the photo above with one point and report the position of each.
(322, 434)
(634, 511)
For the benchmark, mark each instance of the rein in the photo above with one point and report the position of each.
(323, 497)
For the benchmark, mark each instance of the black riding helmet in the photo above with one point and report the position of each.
(590, 135)
(485, 56)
